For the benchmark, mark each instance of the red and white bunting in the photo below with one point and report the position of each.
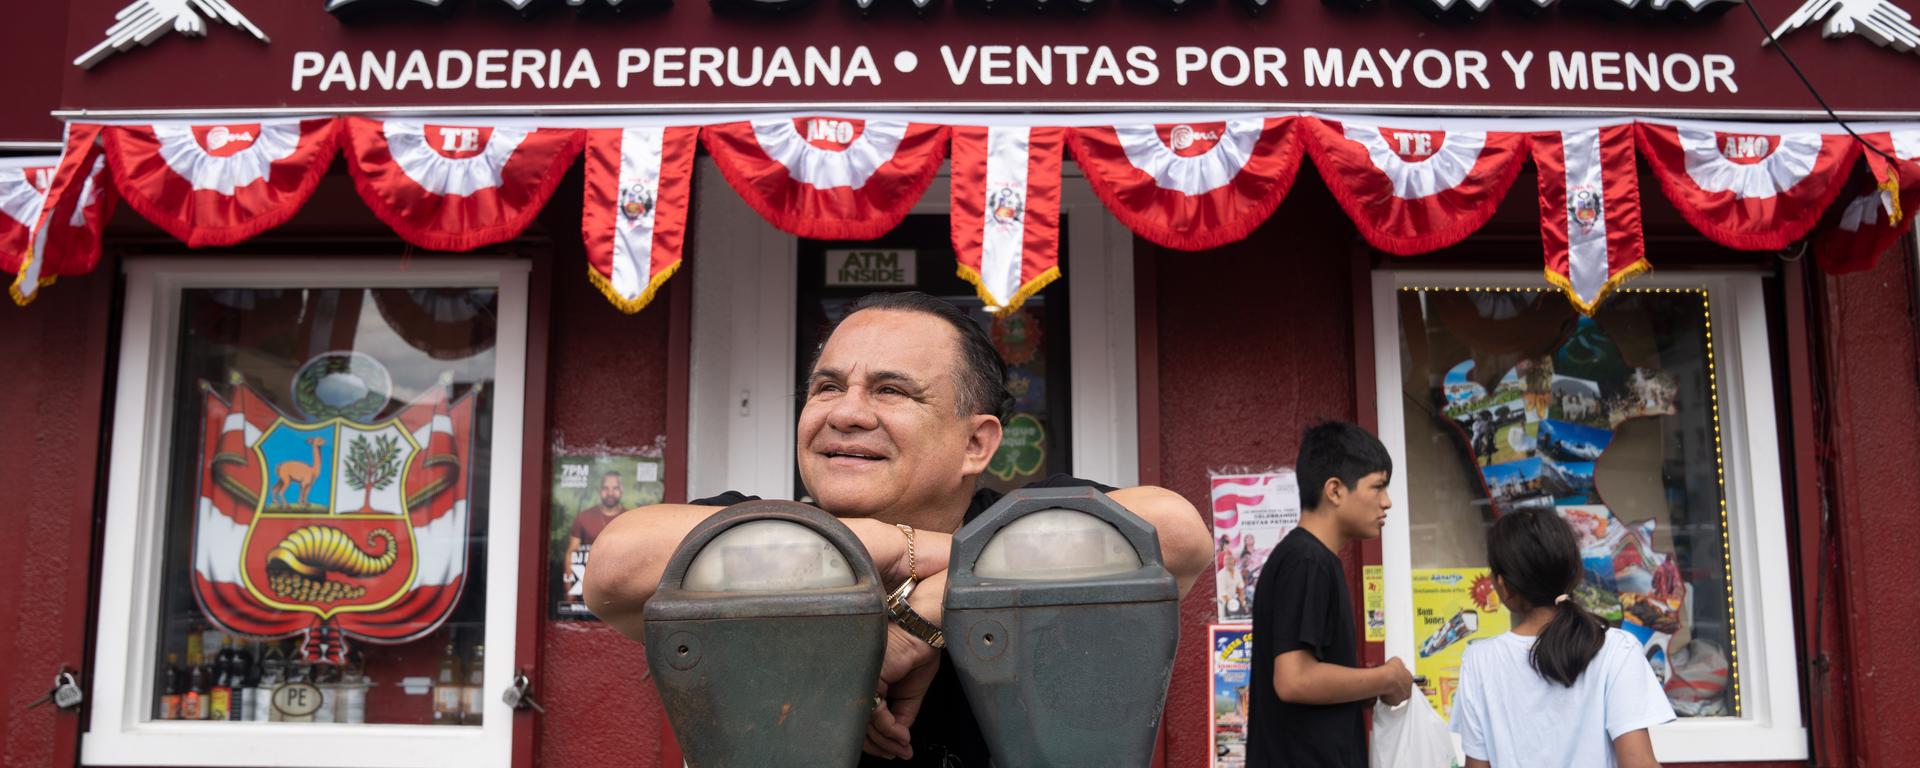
(1410, 190)
(1871, 220)
(68, 206)
(23, 187)
(213, 185)
(1006, 210)
(1190, 186)
(634, 218)
(456, 187)
(1590, 211)
(1749, 191)
(829, 178)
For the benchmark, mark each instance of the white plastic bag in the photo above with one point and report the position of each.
(1411, 735)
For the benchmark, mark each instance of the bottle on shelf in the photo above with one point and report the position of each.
(473, 701)
(353, 690)
(246, 705)
(193, 703)
(273, 670)
(448, 692)
(170, 688)
(326, 677)
(220, 698)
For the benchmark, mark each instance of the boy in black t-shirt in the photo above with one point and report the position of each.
(1309, 691)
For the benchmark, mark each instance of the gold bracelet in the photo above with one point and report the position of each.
(913, 568)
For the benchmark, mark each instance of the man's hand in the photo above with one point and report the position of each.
(1398, 683)
(906, 674)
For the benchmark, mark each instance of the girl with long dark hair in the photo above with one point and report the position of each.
(1560, 688)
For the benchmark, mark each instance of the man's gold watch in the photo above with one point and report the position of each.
(915, 624)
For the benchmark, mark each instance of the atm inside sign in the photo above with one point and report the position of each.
(871, 268)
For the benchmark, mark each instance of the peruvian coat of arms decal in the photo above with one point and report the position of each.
(337, 524)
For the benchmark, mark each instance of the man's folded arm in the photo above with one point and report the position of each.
(1185, 545)
(629, 557)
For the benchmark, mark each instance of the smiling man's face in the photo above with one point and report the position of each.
(881, 433)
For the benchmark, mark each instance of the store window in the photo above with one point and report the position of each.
(1621, 424)
(319, 511)
(1033, 340)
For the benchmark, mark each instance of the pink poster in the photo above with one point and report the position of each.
(1250, 514)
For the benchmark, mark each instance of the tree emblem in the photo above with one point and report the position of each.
(372, 466)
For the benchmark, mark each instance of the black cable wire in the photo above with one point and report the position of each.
(1775, 45)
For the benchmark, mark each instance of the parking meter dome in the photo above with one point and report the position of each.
(1056, 545)
(768, 556)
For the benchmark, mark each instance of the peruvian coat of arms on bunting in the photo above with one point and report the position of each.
(338, 522)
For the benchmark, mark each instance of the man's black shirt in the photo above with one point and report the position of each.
(945, 735)
(1301, 602)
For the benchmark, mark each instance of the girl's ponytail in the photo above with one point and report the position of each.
(1535, 553)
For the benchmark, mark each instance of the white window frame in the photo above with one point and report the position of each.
(744, 307)
(1770, 726)
(123, 674)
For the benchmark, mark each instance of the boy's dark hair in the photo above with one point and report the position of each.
(1337, 449)
(1535, 553)
(982, 375)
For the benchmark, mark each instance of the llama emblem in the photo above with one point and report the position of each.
(336, 526)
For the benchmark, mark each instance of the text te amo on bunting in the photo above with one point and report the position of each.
(1190, 186)
(456, 187)
(1412, 190)
(1747, 190)
(68, 206)
(1590, 222)
(829, 178)
(1870, 220)
(634, 216)
(1006, 210)
(219, 184)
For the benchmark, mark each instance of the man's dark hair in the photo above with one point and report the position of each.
(1337, 449)
(981, 379)
(613, 473)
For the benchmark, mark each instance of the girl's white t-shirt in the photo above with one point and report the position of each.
(1508, 715)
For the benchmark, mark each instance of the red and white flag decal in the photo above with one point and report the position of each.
(1749, 191)
(1409, 190)
(1873, 219)
(829, 178)
(456, 187)
(1589, 211)
(1006, 210)
(1190, 187)
(53, 216)
(634, 219)
(213, 185)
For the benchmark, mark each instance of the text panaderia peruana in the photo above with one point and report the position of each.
(1013, 65)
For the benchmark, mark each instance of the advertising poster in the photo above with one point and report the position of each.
(1250, 514)
(1230, 666)
(1451, 607)
(1375, 597)
(590, 488)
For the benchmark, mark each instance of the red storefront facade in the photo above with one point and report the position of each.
(1194, 360)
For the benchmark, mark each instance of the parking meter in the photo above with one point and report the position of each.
(1061, 622)
(765, 638)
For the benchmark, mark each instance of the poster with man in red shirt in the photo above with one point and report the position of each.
(589, 491)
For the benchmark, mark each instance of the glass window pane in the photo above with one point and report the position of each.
(1515, 401)
(327, 507)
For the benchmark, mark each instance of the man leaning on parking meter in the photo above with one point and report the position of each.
(902, 411)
